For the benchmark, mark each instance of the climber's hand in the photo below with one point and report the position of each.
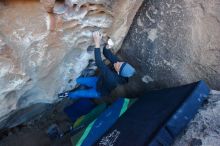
(97, 36)
(110, 44)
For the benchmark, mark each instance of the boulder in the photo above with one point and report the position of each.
(43, 47)
(175, 42)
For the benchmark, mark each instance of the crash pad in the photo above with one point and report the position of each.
(157, 117)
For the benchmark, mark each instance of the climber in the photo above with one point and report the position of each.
(108, 79)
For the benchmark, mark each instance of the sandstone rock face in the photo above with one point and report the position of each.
(176, 42)
(43, 45)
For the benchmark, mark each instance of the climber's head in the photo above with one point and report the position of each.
(124, 69)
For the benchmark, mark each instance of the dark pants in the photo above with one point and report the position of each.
(86, 93)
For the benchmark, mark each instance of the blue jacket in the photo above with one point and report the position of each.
(108, 79)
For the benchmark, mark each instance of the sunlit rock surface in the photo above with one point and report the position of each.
(43, 45)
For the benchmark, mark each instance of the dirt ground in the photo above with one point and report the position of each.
(33, 133)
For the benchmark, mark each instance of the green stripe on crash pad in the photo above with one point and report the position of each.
(76, 137)
(85, 134)
(125, 106)
(126, 103)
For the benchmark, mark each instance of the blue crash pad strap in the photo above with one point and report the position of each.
(188, 109)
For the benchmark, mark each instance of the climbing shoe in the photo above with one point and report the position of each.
(63, 95)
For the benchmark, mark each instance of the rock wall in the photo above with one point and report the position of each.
(175, 42)
(43, 45)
